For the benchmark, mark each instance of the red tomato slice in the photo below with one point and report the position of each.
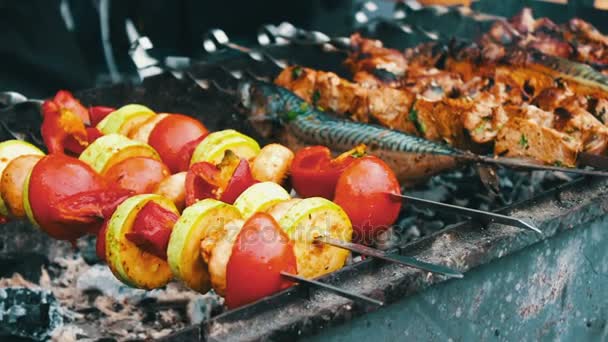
(171, 134)
(67, 101)
(54, 178)
(240, 181)
(314, 173)
(98, 113)
(59, 124)
(362, 193)
(74, 147)
(152, 229)
(260, 253)
(88, 207)
(100, 244)
(138, 174)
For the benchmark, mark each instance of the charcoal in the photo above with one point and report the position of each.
(29, 265)
(200, 308)
(86, 246)
(28, 313)
(100, 278)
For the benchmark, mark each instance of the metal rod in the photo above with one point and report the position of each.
(256, 54)
(336, 290)
(396, 258)
(518, 163)
(472, 213)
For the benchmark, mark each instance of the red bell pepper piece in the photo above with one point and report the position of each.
(98, 113)
(224, 182)
(4, 219)
(152, 229)
(89, 207)
(240, 181)
(72, 146)
(100, 244)
(202, 181)
(60, 123)
(67, 101)
(315, 173)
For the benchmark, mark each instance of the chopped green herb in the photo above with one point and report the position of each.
(291, 115)
(304, 107)
(523, 141)
(296, 72)
(558, 163)
(413, 116)
(316, 95)
(479, 129)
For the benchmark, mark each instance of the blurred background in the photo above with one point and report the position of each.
(78, 44)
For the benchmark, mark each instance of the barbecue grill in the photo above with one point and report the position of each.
(517, 285)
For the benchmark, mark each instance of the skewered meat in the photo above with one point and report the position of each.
(388, 106)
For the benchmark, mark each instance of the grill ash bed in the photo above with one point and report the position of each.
(517, 284)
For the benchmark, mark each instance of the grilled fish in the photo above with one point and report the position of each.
(413, 158)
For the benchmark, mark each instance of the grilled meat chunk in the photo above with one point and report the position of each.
(521, 137)
(388, 106)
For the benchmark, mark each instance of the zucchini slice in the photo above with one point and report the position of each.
(260, 197)
(213, 147)
(308, 219)
(124, 119)
(128, 262)
(111, 149)
(201, 220)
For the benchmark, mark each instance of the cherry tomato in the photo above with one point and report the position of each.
(139, 174)
(98, 113)
(362, 191)
(53, 178)
(152, 229)
(314, 173)
(171, 134)
(100, 244)
(260, 253)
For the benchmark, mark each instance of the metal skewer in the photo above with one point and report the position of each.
(219, 37)
(396, 258)
(472, 213)
(331, 288)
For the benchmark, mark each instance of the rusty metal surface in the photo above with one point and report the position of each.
(555, 290)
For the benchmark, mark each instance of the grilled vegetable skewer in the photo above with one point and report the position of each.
(127, 233)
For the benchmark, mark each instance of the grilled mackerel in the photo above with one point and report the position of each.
(413, 158)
